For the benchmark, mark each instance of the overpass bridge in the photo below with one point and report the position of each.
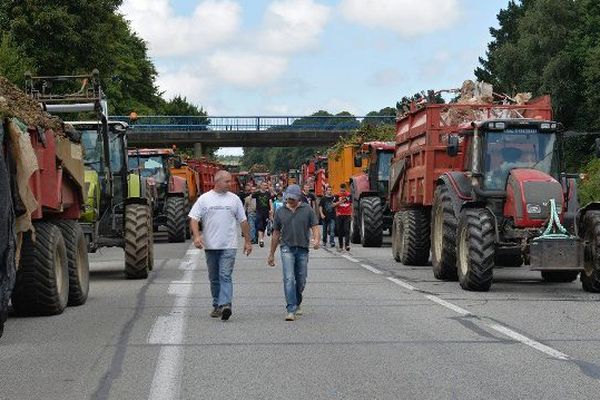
(242, 131)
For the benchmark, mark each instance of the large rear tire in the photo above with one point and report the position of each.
(150, 242)
(8, 240)
(559, 276)
(414, 240)
(138, 241)
(371, 221)
(590, 276)
(475, 250)
(77, 259)
(42, 285)
(355, 221)
(443, 236)
(396, 226)
(176, 219)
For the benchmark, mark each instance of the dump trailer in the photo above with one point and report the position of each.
(341, 167)
(43, 259)
(371, 213)
(184, 170)
(117, 209)
(481, 184)
(171, 205)
(206, 170)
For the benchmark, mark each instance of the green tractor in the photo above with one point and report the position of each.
(117, 211)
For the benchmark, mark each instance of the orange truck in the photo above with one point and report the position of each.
(341, 166)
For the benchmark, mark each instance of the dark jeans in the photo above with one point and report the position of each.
(329, 230)
(343, 229)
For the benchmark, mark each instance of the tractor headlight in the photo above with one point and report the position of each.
(534, 209)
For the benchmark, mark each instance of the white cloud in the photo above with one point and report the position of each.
(247, 69)
(212, 22)
(187, 82)
(293, 25)
(407, 17)
(386, 78)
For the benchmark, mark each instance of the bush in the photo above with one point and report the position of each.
(589, 188)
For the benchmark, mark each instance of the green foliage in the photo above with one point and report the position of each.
(366, 133)
(13, 61)
(589, 189)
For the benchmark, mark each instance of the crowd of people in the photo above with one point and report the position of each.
(333, 210)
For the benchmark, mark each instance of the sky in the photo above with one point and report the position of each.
(295, 57)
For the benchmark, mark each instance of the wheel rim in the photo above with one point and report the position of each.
(463, 259)
(437, 235)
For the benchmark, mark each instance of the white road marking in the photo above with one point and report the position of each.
(372, 269)
(349, 258)
(530, 342)
(403, 284)
(448, 305)
(169, 330)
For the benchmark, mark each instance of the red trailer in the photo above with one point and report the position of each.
(206, 170)
(44, 264)
(477, 183)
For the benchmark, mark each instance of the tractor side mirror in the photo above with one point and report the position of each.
(598, 147)
(452, 148)
(358, 161)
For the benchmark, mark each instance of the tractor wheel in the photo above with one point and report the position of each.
(42, 286)
(475, 250)
(443, 236)
(137, 241)
(8, 240)
(355, 222)
(413, 237)
(590, 276)
(150, 242)
(77, 258)
(176, 219)
(396, 245)
(559, 276)
(371, 221)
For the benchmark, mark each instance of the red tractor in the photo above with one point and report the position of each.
(171, 204)
(371, 213)
(481, 184)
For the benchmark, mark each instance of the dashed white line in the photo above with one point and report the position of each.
(372, 269)
(168, 331)
(349, 258)
(530, 342)
(448, 305)
(403, 284)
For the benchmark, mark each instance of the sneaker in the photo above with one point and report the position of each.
(226, 313)
(299, 311)
(290, 317)
(216, 312)
(332, 245)
(347, 248)
(324, 244)
(261, 243)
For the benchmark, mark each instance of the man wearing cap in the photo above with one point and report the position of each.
(293, 225)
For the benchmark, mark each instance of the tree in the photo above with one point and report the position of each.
(13, 62)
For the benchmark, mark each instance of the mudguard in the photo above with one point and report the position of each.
(594, 206)
(460, 189)
(177, 185)
(92, 196)
(359, 184)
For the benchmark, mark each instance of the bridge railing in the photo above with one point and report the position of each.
(175, 123)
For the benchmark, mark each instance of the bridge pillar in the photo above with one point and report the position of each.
(198, 150)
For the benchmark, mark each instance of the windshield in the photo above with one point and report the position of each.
(517, 148)
(150, 166)
(115, 148)
(92, 146)
(383, 167)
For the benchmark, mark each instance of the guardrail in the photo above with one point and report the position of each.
(176, 123)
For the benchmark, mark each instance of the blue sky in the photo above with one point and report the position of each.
(294, 57)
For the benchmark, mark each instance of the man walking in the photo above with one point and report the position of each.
(343, 212)
(264, 208)
(220, 211)
(327, 211)
(250, 207)
(292, 226)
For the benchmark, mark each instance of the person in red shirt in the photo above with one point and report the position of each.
(343, 212)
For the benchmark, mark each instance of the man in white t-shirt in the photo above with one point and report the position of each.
(220, 212)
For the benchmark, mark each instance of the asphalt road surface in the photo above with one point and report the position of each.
(372, 329)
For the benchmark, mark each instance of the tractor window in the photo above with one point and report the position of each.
(115, 147)
(92, 146)
(150, 166)
(383, 167)
(521, 148)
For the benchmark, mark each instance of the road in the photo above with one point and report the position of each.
(372, 329)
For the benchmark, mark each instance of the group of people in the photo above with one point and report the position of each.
(334, 211)
(216, 215)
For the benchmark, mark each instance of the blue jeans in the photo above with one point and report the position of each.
(252, 223)
(294, 261)
(220, 268)
(329, 230)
